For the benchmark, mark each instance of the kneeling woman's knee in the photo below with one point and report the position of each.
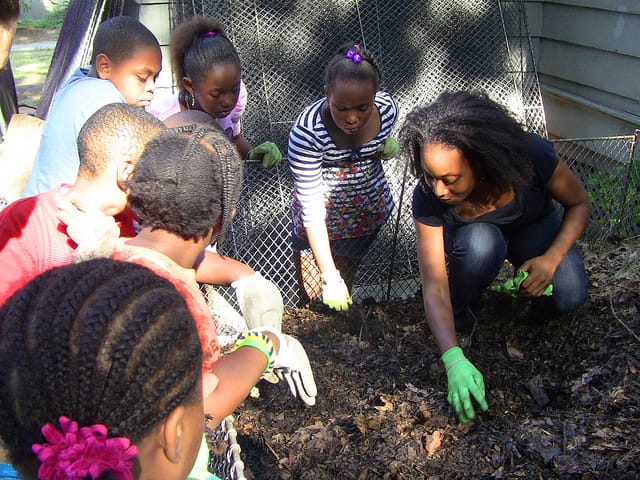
(483, 241)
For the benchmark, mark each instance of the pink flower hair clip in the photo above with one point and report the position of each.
(354, 53)
(208, 35)
(77, 453)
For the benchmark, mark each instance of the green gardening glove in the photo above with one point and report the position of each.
(463, 379)
(512, 285)
(269, 152)
(389, 149)
(335, 293)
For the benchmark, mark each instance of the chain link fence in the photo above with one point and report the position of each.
(424, 47)
(609, 168)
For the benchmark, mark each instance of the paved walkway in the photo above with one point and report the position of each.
(46, 45)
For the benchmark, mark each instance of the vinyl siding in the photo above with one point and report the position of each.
(588, 58)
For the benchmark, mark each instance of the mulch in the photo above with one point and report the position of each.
(564, 391)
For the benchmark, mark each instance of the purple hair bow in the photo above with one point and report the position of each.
(353, 54)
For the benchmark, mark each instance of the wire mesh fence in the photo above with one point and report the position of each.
(260, 236)
(609, 168)
(224, 451)
(424, 47)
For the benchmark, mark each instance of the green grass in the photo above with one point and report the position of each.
(42, 23)
(30, 69)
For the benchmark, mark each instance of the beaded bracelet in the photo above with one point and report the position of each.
(259, 341)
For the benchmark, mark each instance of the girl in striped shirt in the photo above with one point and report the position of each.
(341, 197)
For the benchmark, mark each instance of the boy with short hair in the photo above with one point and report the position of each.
(32, 239)
(126, 61)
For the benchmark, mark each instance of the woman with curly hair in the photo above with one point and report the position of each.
(485, 193)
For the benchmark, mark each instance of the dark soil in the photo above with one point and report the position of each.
(564, 391)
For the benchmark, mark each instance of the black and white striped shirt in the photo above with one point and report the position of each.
(342, 187)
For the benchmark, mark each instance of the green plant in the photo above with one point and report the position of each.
(615, 199)
(59, 11)
(53, 19)
(25, 6)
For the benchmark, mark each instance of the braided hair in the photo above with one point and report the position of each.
(187, 180)
(196, 45)
(342, 67)
(119, 38)
(100, 342)
(491, 139)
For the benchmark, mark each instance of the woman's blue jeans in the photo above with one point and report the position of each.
(476, 251)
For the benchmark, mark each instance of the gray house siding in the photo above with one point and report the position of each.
(588, 58)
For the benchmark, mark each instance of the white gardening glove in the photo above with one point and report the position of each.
(94, 232)
(292, 364)
(260, 301)
(335, 293)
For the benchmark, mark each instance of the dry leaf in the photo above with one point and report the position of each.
(434, 441)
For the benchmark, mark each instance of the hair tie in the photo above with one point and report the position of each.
(76, 453)
(208, 35)
(353, 54)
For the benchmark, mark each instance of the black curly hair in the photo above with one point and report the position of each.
(194, 50)
(115, 131)
(491, 139)
(340, 66)
(100, 342)
(120, 37)
(187, 179)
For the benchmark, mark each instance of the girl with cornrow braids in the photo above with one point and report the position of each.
(341, 197)
(208, 72)
(184, 190)
(99, 376)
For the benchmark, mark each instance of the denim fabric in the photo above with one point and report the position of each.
(476, 251)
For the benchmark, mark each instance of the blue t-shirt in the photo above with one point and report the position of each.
(527, 206)
(7, 472)
(57, 159)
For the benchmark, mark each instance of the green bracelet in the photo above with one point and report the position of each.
(259, 341)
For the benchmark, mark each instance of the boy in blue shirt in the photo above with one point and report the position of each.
(126, 61)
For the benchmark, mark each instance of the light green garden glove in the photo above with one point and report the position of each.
(389, 149)
(463, 379)
(335, 293)
(269, 152)
(512, 285)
